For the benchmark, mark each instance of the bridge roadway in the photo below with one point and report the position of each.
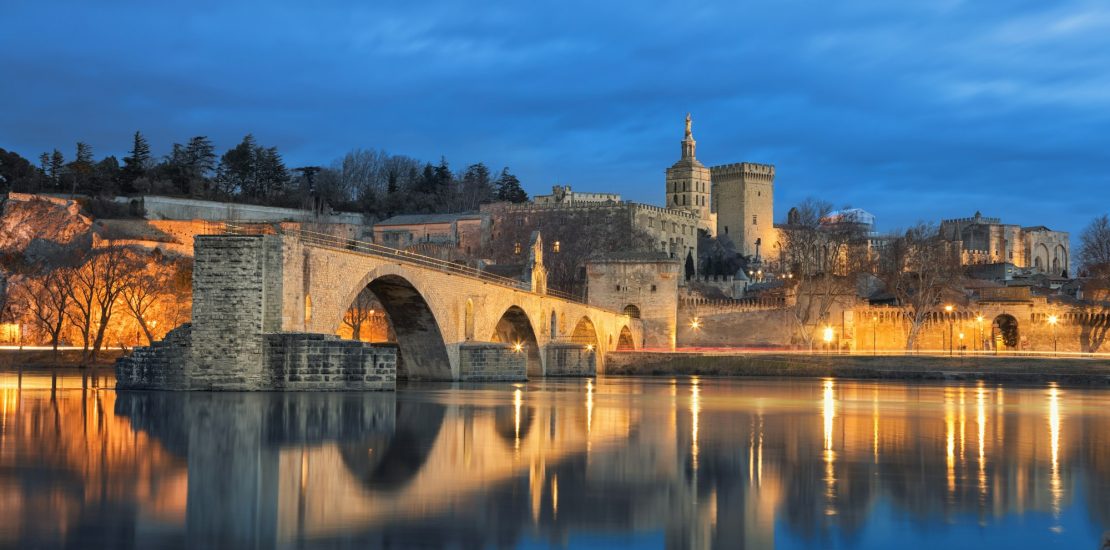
(451, 322)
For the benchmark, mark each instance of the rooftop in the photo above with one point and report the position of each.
(421, 219)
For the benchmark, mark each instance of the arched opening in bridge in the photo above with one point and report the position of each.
(422, 353)
(625, 342)
(632, 311)
(1004, 332)
(514, 328)
(366, 320)
(585, 333)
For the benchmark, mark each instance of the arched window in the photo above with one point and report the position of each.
(554, 325)
(632, 311)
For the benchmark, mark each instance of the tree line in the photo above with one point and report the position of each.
(108, 296)
(372, 182)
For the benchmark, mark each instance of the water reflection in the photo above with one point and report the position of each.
(676, 463)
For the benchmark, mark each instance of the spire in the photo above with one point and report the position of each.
(688, 144)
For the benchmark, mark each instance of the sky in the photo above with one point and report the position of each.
(913, 110)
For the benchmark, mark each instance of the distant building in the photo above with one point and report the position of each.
(564, 195)
(467, 233)
(984, 240)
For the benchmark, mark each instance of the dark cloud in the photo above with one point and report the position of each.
(913, 110)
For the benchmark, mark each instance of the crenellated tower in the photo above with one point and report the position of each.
(744, 200)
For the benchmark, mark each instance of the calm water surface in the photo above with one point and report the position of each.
(646, 463)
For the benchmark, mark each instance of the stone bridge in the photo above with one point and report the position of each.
(266, 309)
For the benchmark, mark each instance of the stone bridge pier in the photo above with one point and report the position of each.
(266, 309)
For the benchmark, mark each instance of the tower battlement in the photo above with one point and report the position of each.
(747, 169)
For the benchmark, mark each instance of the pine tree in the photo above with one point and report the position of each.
(84, 154)
(136, 163)
(44, 164)
(509, 189)
(57, 165)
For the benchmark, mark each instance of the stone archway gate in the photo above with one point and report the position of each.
(257, 297)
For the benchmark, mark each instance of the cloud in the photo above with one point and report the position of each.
(910, 109)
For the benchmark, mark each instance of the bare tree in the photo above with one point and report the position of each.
(149, 282)
(917, 269)
(48, 298)
(82, 299)
(360, 312)
(823, 258)
(115, 275)
(1094, 248)
(1094, 264)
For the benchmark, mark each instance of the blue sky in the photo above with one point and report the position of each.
(910, 109)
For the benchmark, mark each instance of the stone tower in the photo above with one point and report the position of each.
(689, 184)
(744, 200)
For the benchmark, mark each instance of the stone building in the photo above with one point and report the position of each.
(744, 202)
(642, 285)
(689, 186)
(672, 231)
(564, 195)
(984, 240)
(467, 233)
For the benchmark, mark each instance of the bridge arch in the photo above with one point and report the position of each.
(625, 342)
(413, 319)
(585, 333)
(514, 327)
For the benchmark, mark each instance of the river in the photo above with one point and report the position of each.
(611, 462)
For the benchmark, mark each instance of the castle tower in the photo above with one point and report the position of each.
(689, 184)
(744, 201)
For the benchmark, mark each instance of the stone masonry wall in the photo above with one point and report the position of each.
(160, 366)
(228, 282)
(303, 361)
(568, 359)
(491, 361)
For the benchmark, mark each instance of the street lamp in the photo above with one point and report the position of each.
(961, 343)
(1052, 320)
(948, 309)
(695, 323)
(828, 337)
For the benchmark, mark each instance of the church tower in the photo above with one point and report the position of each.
(688, 184)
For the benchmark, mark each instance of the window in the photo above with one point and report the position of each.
(632, 311)
(653, 288)
(516, 248)
(618, 288)
(726, 230)
(554, 247)
(753, 220)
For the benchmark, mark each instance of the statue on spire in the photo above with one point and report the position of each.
(688, 134)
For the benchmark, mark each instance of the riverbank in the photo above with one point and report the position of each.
(67, 358)
(1070, 371)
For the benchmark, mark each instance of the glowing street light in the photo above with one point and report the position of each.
(695, 323)
(827, 336)
(518, 347)
(589, 347)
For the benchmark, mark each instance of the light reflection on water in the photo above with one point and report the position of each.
(686, 463)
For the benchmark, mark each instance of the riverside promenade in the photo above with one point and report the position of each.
(1069, 370)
